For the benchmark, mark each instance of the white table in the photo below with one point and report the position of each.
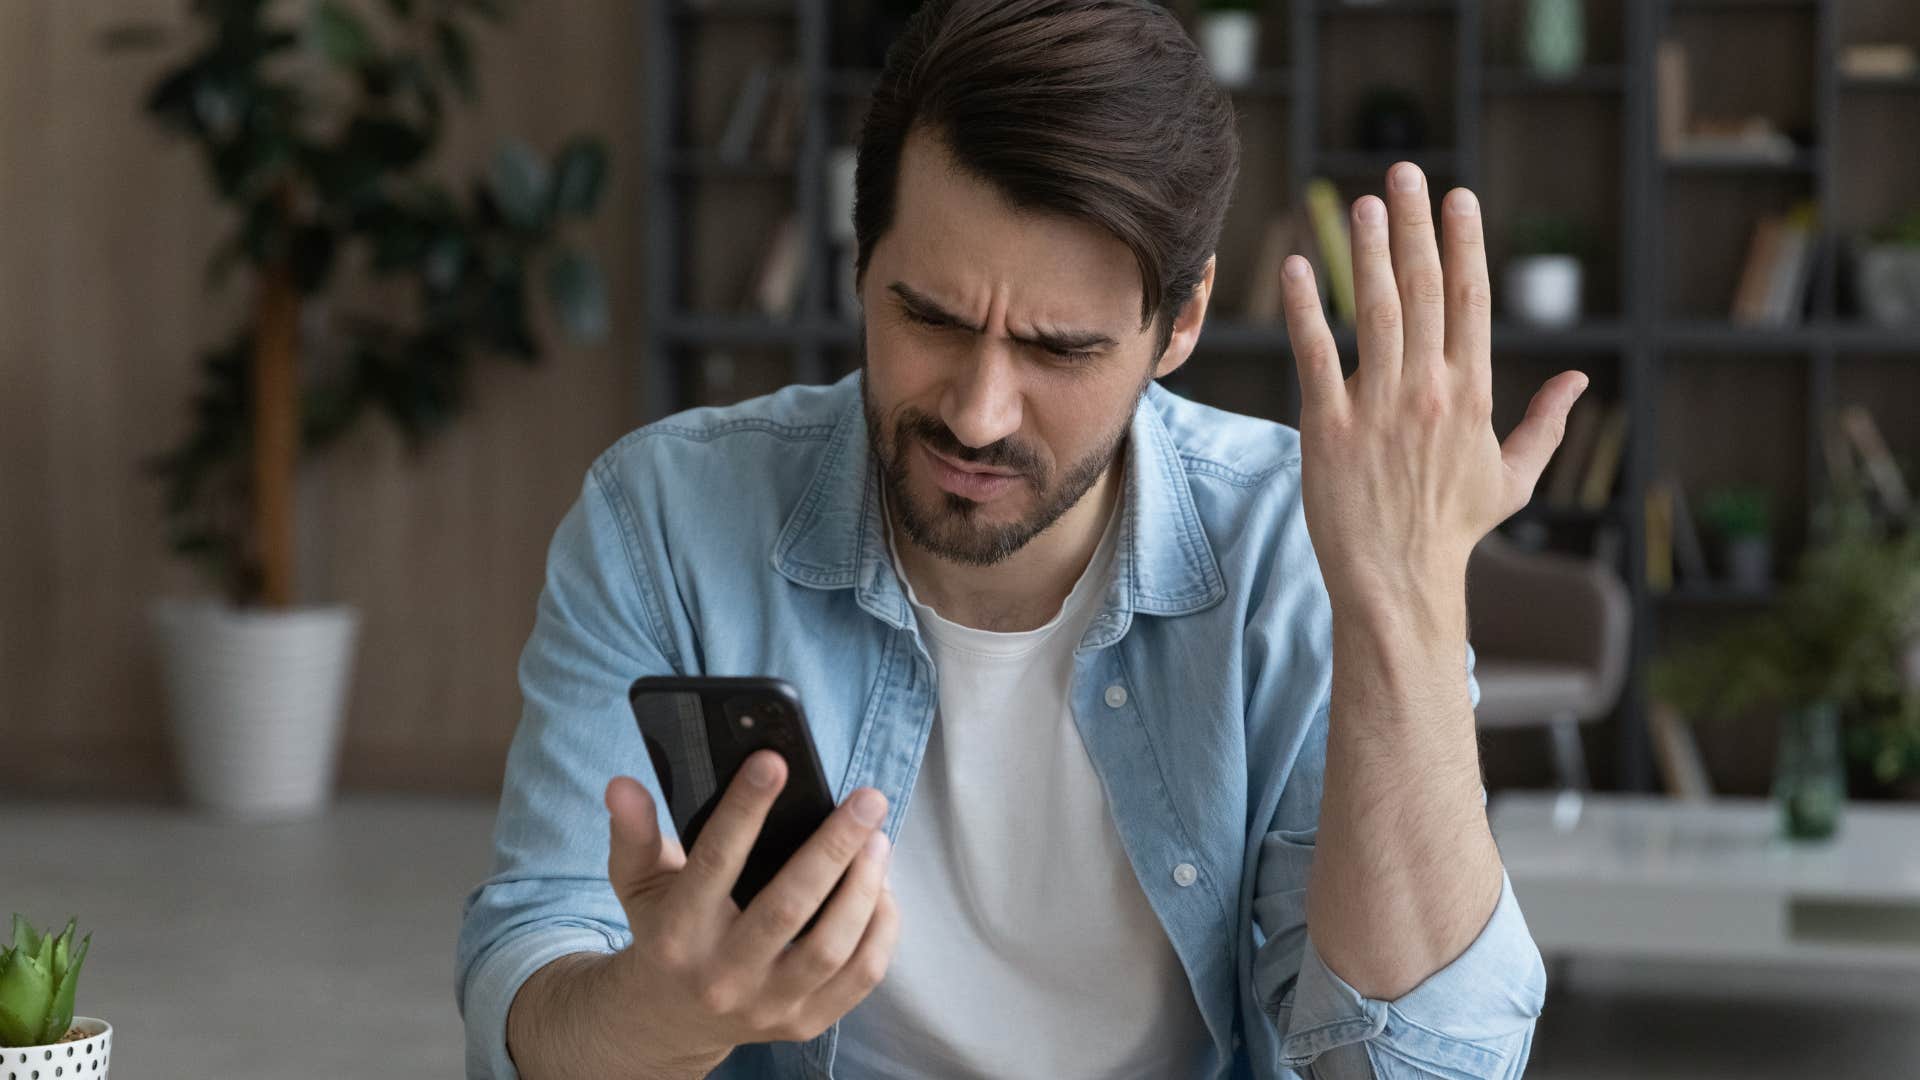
(1647, 876)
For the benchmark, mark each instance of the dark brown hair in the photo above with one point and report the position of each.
(1099, 109)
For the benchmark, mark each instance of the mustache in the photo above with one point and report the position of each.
(913, 423)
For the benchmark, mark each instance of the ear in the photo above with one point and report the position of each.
(1186, 325)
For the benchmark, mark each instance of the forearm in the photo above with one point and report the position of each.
(561, 1026)
(1405, 871)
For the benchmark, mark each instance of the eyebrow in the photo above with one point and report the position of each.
(1060, 340)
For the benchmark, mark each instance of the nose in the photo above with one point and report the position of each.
(982, 403)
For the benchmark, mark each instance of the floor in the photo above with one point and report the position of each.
(325, 949)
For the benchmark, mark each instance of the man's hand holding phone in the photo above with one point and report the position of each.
(705, 976)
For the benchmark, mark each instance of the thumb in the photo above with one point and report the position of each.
(637, 851)
(1534, 440)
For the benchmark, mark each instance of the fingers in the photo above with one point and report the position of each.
(780, 910)
(864, 970)
(637, 852)
(729, 834)
(1417, 269)
(826, 948)
(1323, 389)
(1533, 441)
(1376, 298)
(1469, 314)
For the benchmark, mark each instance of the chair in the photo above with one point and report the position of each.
(1550, 634)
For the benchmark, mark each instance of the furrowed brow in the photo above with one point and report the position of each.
(1060, 340)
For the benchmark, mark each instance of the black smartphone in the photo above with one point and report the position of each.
(699, 730)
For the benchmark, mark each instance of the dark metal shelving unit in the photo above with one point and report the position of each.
(1641, 338)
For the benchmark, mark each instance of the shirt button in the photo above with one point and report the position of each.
(1184, 874)
(1116, 696)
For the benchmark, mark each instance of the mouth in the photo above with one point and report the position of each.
(970, 482)
(964, 467)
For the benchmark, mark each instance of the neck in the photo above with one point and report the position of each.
(1025, 590)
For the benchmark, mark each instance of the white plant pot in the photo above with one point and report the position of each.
(1890, 285)
(85, 1058)
(1544, 290)
(257, 701)
(1230, 40)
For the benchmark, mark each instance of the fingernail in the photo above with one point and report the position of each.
(869, 807)
(1373, 211)
(1296, 266)
(1465, 202)
(877, 844)
(760, 770)
(1406, 178)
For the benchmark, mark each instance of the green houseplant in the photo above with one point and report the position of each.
(39, 974)
(1741, 517)
(317, 122)
(1835, 647)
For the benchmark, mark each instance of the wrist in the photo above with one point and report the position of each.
(1404, 646)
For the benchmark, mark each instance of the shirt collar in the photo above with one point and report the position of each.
(836, 538)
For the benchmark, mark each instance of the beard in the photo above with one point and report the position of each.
(951, 528)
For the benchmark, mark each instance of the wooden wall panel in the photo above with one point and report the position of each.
(104, 230)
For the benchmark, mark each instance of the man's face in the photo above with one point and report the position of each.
(1004, 357)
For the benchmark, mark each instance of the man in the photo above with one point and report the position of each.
(1166, 714)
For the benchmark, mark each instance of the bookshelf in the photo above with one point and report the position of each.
(1708, 399)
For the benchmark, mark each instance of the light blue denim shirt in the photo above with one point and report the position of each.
(748, 540)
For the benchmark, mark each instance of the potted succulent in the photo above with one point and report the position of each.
(1740, 517)
(1889, 272)
(39, 1035)
(1831, 656)
(317, 124)
(1543, 274)
(1229, 37)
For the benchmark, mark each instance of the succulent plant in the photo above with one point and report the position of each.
(37, 976)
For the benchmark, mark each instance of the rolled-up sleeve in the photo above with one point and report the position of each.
(1475, 1017)
(596, 629)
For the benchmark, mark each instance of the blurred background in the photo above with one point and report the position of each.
(314, 312)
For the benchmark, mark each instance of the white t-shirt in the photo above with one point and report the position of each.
(1027, 947)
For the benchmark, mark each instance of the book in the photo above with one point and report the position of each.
(780, 137)
(1331, 234)
(1604, 468)
(776, 287)
(736, 139)
(1677, 754)
(1563, 481)
(1763, 250)
(1791, 274)
(1876, 460)
(1689, 554)
(1734, 146)
(1879, 60)
(1659, 521)
(1671, 90)
(1266, 296)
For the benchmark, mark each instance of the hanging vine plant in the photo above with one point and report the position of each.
(317, 121)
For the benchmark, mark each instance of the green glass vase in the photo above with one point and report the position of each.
(1809, 775)
(1555, 35)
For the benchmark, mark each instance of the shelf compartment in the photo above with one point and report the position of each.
(1600, 79)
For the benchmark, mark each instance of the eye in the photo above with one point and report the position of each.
(1074, 355)
(915, 317)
